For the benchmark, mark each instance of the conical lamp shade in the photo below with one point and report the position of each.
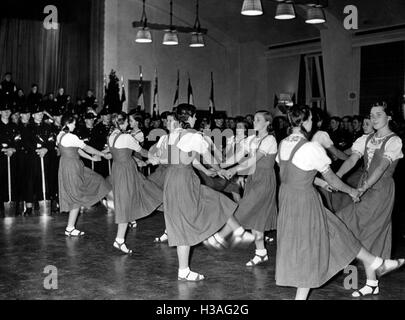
(252, 8)
(315, 16)
(285, 11)
(197, 40)
(143, 36)
(170, 38)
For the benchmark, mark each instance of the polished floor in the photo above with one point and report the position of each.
(90, 268)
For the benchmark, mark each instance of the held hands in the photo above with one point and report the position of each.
(226, 174)
(96, 158)
(8, 151)
(363, 188)
(42, 152)
(211, 172)
(355, 194)
(107, 156)
(141, 163)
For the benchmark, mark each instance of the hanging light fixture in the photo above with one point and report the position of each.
(252, 8)
(315, 14)
(143, 35)
(197, 38)
(170, 38)
(285, 10)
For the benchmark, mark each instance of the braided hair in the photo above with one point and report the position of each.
(297, 115)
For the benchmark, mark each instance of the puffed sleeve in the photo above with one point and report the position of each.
(130, 142)
(393, 149)
(193, 142)
(359, 146)
(323, 139)
(139, 136)
(312, 156)
(268, 145)
(76, 142)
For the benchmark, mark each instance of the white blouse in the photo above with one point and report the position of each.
(124, 141)
(139, 136)
(393, 147)
(323, 139)
(192, 142)
(311, 156)
(70, 140)
(267, 146)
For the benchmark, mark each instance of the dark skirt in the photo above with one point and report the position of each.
(370, 219)
(258, 208)
(312, 243)
(134, 196)
(193, 212)
(79, 186)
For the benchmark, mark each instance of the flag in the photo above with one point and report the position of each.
(176, 95)
(155, 111)
(141, 102)
(190, 99)
(212, 103)
(123, 95)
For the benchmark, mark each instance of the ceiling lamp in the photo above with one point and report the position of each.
(315, 14)
(143, 35)
(197, 38)
(285, 11)
(252, 8)
(170, 38)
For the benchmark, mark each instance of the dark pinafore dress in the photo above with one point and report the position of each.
(370, 219)
(258, 208)
(312, 243)
(78, 185)
(193, 212)
(134, 196)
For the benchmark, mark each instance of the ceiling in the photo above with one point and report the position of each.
(225, 15)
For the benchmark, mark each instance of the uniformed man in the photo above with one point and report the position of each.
(90, 100)
(54, 157)
(38, 141)
(101, 131)
(34, 97)
(8, 87)
(8, 138)
(23, 156)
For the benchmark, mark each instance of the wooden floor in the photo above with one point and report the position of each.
(90, 268)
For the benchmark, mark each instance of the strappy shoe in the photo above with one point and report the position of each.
(385, 269)
(132, 225)
(216, 242)
(191, 276)
(122, 247)
(257, 259)
(244, 239)
(163, 238)
(74, 233)
(374, 290)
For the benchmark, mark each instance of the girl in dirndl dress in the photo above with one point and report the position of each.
(134, 196)
(312, 243)
(370, 219)
(258, 208)
(78, 185)
(192, 211)
(353, 169)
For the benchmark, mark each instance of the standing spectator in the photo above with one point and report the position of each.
(7, 86)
